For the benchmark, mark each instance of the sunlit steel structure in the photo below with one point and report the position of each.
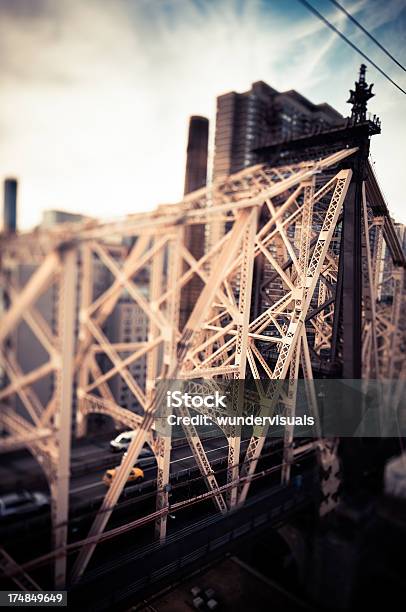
(290, 281)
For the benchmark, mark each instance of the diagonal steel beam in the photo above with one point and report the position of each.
(37, 284)
(223, 262)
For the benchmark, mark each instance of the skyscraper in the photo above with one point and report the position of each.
(263, 115)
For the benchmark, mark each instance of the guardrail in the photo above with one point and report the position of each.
(207, 539)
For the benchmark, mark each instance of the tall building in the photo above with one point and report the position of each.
(259, 116)
(245, 122)
(128, 323)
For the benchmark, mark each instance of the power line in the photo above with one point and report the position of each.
(361, 27)
(332, 27)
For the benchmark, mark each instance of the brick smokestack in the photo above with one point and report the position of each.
(10, 205)
(196, 161)
(195, 178)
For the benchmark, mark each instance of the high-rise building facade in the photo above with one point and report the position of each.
(259, 116)
(128, 324)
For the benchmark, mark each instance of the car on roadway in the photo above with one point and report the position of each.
(145, 458)
(21, 503)
(136, 475)
(122, 441)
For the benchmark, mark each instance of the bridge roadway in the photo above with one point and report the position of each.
(127, 572)
(90, 459)
(194, 532)
(21, 537)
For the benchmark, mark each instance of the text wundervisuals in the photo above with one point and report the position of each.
(250, 420)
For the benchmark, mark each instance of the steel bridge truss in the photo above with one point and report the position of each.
(289, 218)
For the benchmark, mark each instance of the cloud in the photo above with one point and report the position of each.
(96, 95)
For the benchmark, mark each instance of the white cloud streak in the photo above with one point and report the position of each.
(96, 95)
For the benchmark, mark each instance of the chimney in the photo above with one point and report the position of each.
(10, 206)
(195, 178)
(196, 161)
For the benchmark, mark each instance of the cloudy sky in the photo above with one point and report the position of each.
(96, 94)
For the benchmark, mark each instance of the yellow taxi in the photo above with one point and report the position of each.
(136, 475)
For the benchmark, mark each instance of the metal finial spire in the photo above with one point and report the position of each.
(360, 96)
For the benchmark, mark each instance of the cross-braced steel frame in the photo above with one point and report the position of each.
(285, 221)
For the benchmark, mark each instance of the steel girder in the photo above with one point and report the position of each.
(290, 217)
(45, 430)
